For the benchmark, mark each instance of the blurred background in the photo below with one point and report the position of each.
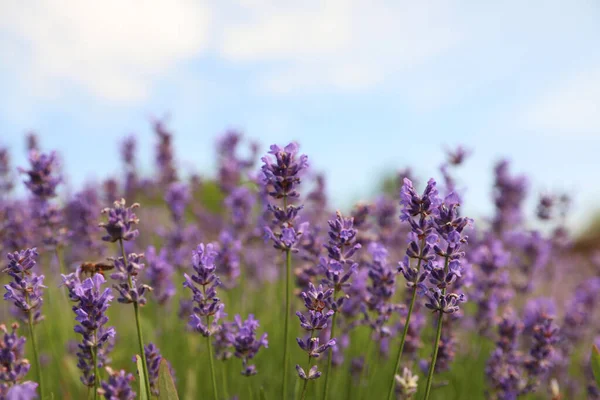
(366, 88)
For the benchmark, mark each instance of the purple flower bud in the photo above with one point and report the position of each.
(42, 179)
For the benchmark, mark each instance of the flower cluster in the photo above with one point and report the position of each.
(121, 222)
(242, 337)
(203, 285)
(118, 386)
(159, 272)
(90, 311)
(26, 288)
(153, 360)
(282, 178)
(14, 366)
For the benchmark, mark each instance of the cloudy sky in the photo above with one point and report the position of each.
(365, 87)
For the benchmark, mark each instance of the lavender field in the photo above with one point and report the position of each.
(253, 285)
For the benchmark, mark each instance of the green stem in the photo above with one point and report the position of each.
(224, 379)
(405, 331)
(288, 310)
(95, 361)
(212, 367)
(330, 354)
(138, 325)
(35, 354)
(437, 342)
(61, 264)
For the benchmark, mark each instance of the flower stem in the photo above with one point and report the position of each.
(138, 325)
(312, 335)
(95, 361)
(212, 367)
(406, 326)
(436, 345)
(330, 355)
(288, 310)
(35, 354)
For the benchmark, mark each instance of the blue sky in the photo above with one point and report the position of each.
(365, 87)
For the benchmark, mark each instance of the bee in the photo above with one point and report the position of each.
(91, 268)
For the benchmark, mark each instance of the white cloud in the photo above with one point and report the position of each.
(571, 108)
(113, 49)
(345, 45)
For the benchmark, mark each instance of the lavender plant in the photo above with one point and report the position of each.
(25, 292)
(120, 228)
(282, 177)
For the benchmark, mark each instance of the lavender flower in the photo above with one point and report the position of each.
(228, 259)
(153, 358)
(503, 369)
(177, 198)
(509, 194)
(239, 203)
(541, 355)
(282, 177)
(160, 274)
(14, 365)
(121, 221)
(81, 214)
(126, 273)
(313, 348)
(118, 386)
(25, 290)
(90, 311)
(246, 344)
(42, 179)
(21, 391)
(165, 160)
(207, 303)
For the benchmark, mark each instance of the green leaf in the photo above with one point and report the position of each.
(166, 386)
(141, 379)
(596, 363)
(263, 395)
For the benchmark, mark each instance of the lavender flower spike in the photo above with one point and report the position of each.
(121, 221)
(153, 358)
(90, 313)
(12, 351)
(42, 181)
(118, 386)
(245, 342)
(25, 290)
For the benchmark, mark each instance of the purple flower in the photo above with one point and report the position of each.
(21, 391)
(118, 386)
(504, 367)
(153, 359)
(90, 313)
(25, 289)
(6, 178)
(228, 259)
(121, 220)
(42, 174)
(313, 373)
(177, 198)
(282, 173)
(509, 194)
(81, 214)
(239, 203)
(127, 275)
(160, 274)
(312, 346)
(207, 304)
(12, 351)
(246, 344)
(165, 160)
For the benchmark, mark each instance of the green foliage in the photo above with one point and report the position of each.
(143, 395)
(166, 386)
(596, 363)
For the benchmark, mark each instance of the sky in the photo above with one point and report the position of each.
(365, 87)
